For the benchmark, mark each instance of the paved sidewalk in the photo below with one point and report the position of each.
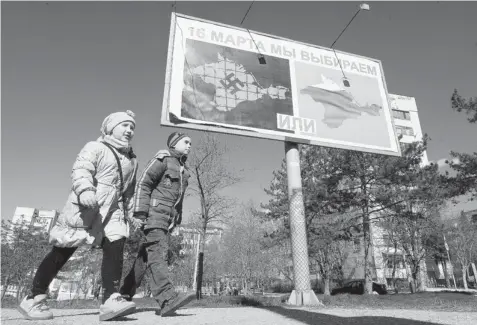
(254, 316)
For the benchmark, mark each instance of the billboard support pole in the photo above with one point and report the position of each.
(302, 293)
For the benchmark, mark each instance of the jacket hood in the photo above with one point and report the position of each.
(161, 154)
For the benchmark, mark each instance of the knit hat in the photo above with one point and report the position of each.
(174, 138)
(114, 119)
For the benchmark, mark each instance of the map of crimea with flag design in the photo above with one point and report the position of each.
(226, 85)
(230, 86)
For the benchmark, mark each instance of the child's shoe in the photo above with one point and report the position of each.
(35, 308)
(116, 306)
(169, 307)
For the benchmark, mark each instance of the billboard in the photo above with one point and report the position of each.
(216, 82)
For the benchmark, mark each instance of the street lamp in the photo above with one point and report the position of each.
(364, 6)
(261, 59)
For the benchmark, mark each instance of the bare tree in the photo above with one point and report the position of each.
(280, 257)
(395, 254)
(461, 236)
(211, 174)
(23, 247)
(327, 246)
(244, 254)
(86, 266)
(415, 230)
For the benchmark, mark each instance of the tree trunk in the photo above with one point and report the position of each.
(368, 284)
(416, 277)
(19, 289)
(414, 282)
(422, 280)
(446, 273)
(411, 277)
(464, 276)
(5, 286)
(200, 269)
(4, 291)
(407, 267)
(327, 287)
(393, 272)
(200, 273)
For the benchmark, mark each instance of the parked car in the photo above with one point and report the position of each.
(356, 287)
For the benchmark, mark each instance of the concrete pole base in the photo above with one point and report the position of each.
(303, 298)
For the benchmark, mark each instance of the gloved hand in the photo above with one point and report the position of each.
(137, 223)
(88, 199)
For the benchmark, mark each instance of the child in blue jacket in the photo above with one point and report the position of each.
(158, 204)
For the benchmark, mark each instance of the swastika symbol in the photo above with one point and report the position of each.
(229, 82)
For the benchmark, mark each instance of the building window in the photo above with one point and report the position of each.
(404, 130)
(398, 130)
(390, 260)
(402, 115)
(405, 146)
(386, 240)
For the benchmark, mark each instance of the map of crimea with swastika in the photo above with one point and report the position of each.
(229, 86)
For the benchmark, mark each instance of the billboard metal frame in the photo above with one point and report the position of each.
(203, 126)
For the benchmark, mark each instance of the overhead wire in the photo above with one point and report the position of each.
(248, 10)
(339, 62)
(241, 23)
(174, 10)
(344, 29)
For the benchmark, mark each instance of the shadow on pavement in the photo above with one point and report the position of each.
(124, 319)
(68, 315)
(313, 318)
(158, 312)
(141, 309)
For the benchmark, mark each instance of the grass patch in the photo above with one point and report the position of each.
(11, 302)
(239, 301)
(436, 301)
(430, 301)
(206, 302)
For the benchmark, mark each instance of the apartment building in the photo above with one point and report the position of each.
(406, 120)
(191, 236)
(40, 219)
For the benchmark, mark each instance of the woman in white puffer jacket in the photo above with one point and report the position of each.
(97, 212)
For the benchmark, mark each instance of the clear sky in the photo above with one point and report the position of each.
(65, 66)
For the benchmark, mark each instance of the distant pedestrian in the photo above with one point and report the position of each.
(158, 204)
(97, 212)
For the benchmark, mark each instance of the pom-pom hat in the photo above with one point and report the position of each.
(114, 119)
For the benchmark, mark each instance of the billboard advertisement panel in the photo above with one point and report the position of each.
(231, 80)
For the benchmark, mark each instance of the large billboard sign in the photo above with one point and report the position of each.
(216, 82)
